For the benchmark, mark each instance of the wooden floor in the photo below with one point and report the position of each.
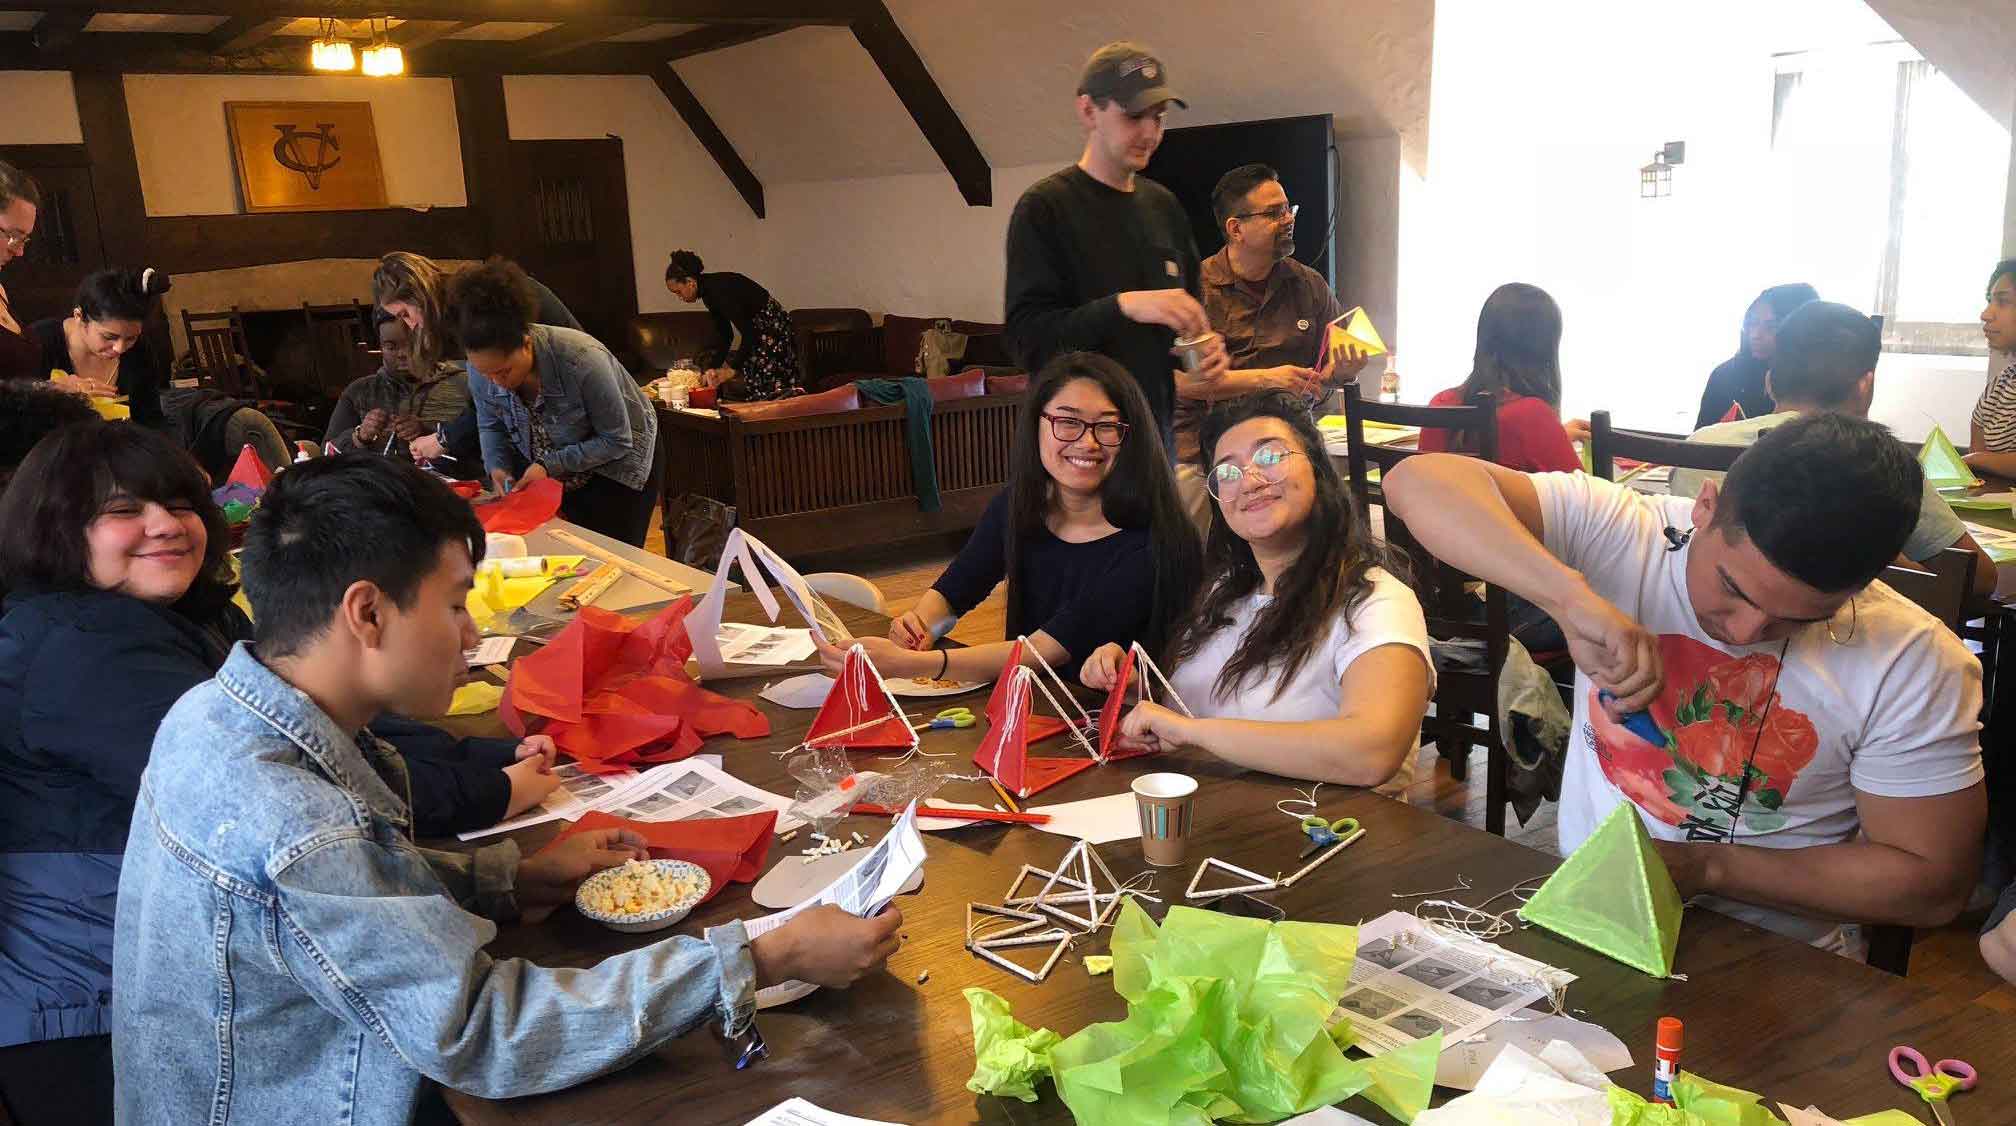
(1946, 959)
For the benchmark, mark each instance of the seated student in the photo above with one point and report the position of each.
(119, 603)
(553, 402)
(1796, 737)
(1739, 380)
(1991, 447)
(1304, 657)
(29, 410)
(1088, 535)
(281, 941)
(1825, 360)
(102, 342)
(393, 406)
(1518, 360)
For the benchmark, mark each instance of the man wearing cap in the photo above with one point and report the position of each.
(1102, 260)
(1271, 310)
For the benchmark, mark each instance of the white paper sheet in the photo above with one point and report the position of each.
(491, 651)
(798, 1112)
(807, 690)
(1461, 1065)
(1098, 820)
(1520, 1089)
(704, 626)
(580, 791)
(764, 645)
(862, 891)
(1409, 982)
(1811, 1116)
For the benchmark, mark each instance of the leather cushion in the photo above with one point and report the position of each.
(842, 398)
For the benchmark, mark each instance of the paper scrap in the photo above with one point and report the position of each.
(1461, 1065)
(1811, 1116)
(491, 651)
(808, 690)
(476, 698)
(1409, 983)
(863, 892)
(798, 1112)
(694, 787)
(1521, 1088)
(1098, 820)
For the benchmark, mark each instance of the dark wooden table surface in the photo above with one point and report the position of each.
(1762, 1012)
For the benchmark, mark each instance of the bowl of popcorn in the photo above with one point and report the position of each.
(643, 895)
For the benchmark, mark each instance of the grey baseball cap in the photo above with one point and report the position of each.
(1129, 74)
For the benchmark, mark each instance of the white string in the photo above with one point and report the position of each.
(1307, 798)
(1462, 884)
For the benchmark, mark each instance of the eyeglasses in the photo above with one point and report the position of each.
(1229, 477)
(17, 239)
(1067, 429)
(1279, 213)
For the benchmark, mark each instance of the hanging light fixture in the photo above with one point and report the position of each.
(1655, 180)
(330, 51)
(383, 57)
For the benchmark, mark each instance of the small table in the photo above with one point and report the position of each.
(1762, 1012)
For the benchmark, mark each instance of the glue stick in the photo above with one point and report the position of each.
(1666, 1060)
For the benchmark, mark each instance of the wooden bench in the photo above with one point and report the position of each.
(826, 482)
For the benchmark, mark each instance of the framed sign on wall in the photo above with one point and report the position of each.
(306, 156)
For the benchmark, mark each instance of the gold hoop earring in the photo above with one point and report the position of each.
(1854, 620)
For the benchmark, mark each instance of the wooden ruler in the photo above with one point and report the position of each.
(641, 574)
(585, 591)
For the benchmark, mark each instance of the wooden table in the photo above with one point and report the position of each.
(1762, 1012)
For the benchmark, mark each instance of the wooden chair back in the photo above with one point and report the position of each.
(217, 344)
(1607, 443)
(1462, 695)
(1941, 589)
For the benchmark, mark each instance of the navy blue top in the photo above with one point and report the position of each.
(1082, 594)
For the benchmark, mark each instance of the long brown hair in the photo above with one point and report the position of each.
(419, 281)
(1331, 576)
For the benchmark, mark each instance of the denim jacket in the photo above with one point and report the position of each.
(595, 414)
(284, 953)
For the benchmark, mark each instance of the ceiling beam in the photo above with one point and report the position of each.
(830, 12)
(710, 137)
(919, 93)
(56, 31)
(713, 39)
(419, 33)
(157, 53)
(572, 35)
(242, 33)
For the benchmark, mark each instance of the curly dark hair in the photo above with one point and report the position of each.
(1332, 576)
(30, 409)
(491, 307)
(685, 264)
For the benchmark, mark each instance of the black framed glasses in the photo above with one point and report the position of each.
(1280, 213)
(17, 239)
(1228, 477)
(1067, 429)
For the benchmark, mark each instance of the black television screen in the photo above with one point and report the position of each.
(1190, 161)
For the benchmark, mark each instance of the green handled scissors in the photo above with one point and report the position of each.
(951, 717)
(1323, 834)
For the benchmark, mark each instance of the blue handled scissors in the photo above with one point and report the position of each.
(1323, 834)
(950, 717)
(1934, 1082)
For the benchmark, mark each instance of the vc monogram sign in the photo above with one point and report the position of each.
(306, 156)
(310, 154)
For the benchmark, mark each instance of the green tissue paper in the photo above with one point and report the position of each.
(1009, 1056)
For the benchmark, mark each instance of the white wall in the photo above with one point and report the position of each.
(184, 144)
(678, 195)
(41, 108)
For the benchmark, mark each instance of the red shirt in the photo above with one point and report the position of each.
(1530, 436)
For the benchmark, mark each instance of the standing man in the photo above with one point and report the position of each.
(1271, 310)
(1101, 260)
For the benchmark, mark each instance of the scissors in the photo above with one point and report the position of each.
(951, 717)
(1935, 1083)
(1323, 834)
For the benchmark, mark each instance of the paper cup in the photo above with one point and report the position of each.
(1190, 350)
(1164, 801)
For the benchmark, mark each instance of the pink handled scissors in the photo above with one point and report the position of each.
(1935, 1083)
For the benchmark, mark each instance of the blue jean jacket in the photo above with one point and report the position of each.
(284, 953)
(596, 416)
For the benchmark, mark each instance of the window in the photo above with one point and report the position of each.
(1887, 185)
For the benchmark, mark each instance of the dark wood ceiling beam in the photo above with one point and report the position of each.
(573, 35)
(242, 33)
(155, 53)
(830, 12)
(56, 31)
(714, 39)
(710, 137)
(419, 33)
(919, 93)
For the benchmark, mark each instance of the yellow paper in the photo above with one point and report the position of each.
(111, 411)
(1358, 328)
(493, 595)
(476, 698)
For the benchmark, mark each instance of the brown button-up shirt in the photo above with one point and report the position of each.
(1279, 321)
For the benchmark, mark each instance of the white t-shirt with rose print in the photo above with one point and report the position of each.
(1892, 709)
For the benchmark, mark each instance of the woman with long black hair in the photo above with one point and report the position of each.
(104, 340)
(1518, 360)
(1739, 380)
(1088, 534)
(1305, 656)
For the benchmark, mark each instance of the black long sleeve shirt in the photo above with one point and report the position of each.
(733, 300)
(140, 378)
(1073, 245)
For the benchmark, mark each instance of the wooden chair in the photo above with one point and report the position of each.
(1608, 443)
(338, 335)
(217, 344)
(1451, 609)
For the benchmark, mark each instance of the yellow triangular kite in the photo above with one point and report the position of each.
(1353, 328)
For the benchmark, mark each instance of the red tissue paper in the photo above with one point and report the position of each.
(614, 693)
(519, 512)
(729, 848)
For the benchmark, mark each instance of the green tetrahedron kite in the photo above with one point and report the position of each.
(1614, 896)
(1943, 465)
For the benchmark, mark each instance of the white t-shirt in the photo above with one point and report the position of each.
(1389, 615)
(1892, 710)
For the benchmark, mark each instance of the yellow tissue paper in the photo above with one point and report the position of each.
(476, 698)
